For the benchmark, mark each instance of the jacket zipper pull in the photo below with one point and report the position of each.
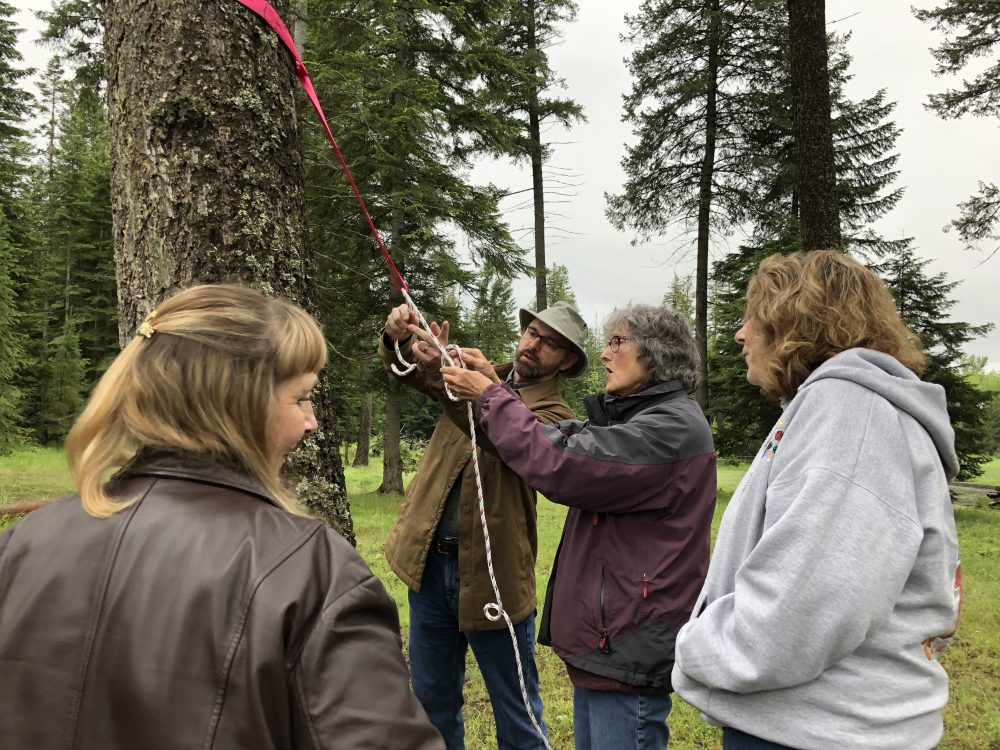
(604, 644)
(645, 587)
(595, 519)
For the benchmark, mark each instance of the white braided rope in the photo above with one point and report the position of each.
(493, 610)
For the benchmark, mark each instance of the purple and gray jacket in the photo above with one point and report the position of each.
(639, 479)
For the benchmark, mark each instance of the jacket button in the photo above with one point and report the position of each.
(465, 581)
(465, 545)
(468, 473)
(465, 508)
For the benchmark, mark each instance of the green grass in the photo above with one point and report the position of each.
(990, 473)
(972, 716)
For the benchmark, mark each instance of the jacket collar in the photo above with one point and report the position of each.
(532, 391)
(168, 464)
(604, 408)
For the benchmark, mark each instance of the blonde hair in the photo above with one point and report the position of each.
(808, 306)
(201, 382)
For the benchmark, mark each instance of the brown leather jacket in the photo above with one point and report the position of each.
(510, 505)
(202, 616)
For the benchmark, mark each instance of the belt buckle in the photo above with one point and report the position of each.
(446, 545)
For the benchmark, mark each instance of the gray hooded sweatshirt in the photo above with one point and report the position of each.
(834, 581)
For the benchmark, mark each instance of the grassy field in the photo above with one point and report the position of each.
(972, 717)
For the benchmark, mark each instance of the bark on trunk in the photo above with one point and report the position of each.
(537, 179)
(392, 464)
(392, 461)
(705, 195)
(819, 214)
(207, 177)
(364, 431)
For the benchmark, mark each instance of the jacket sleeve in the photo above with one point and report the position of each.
(547, 412)
(619, 468)
(350, 681)
(836, 549)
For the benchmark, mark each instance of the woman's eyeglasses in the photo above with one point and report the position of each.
(616, 342)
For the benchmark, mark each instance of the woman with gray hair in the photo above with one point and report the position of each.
(639, 479)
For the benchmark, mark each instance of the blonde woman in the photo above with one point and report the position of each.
(188, 602)
(834, 581)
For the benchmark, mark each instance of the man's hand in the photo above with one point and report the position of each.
(397, 322)
(466, 384)
(425, 351)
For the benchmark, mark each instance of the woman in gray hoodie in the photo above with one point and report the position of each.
(835, 578)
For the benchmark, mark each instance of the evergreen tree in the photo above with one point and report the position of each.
(492, 326)
(924, 300)
(404, 89)
(819, 218)
(16, 105)
(973, 33)
(559, 289)
(680, 298)
(11, 349)
(208, 180)
(63, 385)
(693, 72)
(864, 142)
(519, 88)
(739, 413)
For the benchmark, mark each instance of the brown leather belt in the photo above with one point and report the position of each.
(445, 545)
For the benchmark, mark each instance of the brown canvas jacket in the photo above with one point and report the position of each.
(509, 501)
(202, 616)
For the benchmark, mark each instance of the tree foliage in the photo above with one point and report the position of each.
(972, 34)
(923, 300)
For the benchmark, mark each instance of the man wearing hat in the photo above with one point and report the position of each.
(437, 547)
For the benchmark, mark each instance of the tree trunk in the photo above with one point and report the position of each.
(392, 461)
(537, 180)
(392, 464)
(819, 214)
(705, 203)
(207, 178)
(364, 431)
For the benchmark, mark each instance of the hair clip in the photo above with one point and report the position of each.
(146, 328)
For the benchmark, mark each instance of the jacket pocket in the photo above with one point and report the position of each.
(604, 639)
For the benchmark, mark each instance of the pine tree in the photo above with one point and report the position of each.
(924, 300)
(973, 30)
(819, 218)
(740, 414)
(519, 88)
(11, 349)
(403, 87)
(864, 139)
(680, 298)
(208, 180)
(63, 385)
(694, 72)
(492, 326)
(16, 105)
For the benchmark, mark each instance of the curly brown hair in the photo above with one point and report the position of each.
(808, 306)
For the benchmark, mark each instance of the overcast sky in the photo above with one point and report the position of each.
(941, 162)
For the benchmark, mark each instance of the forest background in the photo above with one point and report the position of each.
(164, 142)
(470, 170)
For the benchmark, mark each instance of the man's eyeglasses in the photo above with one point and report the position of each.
(616, 342)
(546, 342)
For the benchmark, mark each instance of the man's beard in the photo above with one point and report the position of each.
(528, 366)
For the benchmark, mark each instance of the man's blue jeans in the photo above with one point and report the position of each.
(437, 662)
(608, 720)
